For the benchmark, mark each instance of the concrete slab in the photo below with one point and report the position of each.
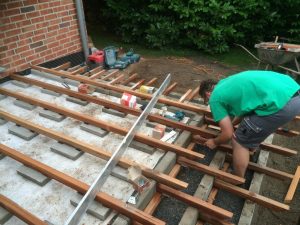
(96, 209)
(47, 75)
(49, 92)
(71, 82)
(120, 173)
(24, 105)
(22, 132)
(49, 223)
(33, 175)
(146, 196)
(113, 112)
(93, 130)
(2, 121)
(4, 215)
(20, 84)
(115, 94)
(142, 147)
(2, 97)
(66, 151)
(167, 162)
(51, 115)
(77, 101)
(102, 91)
(175, 95)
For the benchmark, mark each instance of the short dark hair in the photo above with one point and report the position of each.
(206, 85)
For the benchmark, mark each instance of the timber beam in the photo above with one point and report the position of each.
(259, 199)
(20, 212)
(82, 187)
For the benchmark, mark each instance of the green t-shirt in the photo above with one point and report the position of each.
(261, 92)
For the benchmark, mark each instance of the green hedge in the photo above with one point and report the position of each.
(209, 25)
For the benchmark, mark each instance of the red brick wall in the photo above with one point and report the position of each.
(36, 31)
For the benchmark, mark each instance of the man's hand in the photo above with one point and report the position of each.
(210, 143)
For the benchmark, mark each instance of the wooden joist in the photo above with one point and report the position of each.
(104, 125)
(79, 70)
(259, 199)
(20, 212)
(293, 186)
(152, 81)
(129, 79)
(97, 74)
(82, 187)
(233, 179)
(137, 84)
(202, 206)
(82, 79)
(63, 66)
(185, 95)
(193, 94)
(118, 79)
(110, 75)
(96, 151)
(170, 88)
(93, 71)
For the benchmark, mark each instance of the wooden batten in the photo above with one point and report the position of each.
(293, 186)
(63, 66)
(170, 88)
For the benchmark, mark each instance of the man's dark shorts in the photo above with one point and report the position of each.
(255, 129)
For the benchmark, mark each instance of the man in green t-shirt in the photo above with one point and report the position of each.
(261, 101)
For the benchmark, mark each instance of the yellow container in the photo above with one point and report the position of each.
(146, 89)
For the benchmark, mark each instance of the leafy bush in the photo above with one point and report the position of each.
(209, 25)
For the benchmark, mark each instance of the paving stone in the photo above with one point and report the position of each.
(66, 151)
(33, 175)
(103, 91)
(24, 105)
(46, 75)
(2, 121)
(142, 147)
(49, 223)
(121, 220)
(152, 125)
(2, 97)
(49, 92)
(120, 173)
(51, 115)
(2, 156)
(198, 101)
(115, 94)
(4, 215)
(71, 82)
(96, 209)
(22, 132)
(77, 101)
(93, 129)
(146, 196)
(20, 84)
(113, 112)
(175, 95)
(167, 163)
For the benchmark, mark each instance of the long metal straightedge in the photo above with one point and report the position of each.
(87, 199)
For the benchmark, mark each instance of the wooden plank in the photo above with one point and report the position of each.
(20, 212)
(116, 106)
(110, 75)
(104, 125)
(117, 79)
(138, 84)
(211, 171)
(70, 70)
(185, 95)
(131, 78)
(63, 66)
(293, 186)
(93, 71)
(96, 151)
(152, 81)
(269, 171)
(98, 74)
(202, 206)
(186, 106)
(170, 88)
(79, 70)
(82, 187)
(193, 94)
(259, 199)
